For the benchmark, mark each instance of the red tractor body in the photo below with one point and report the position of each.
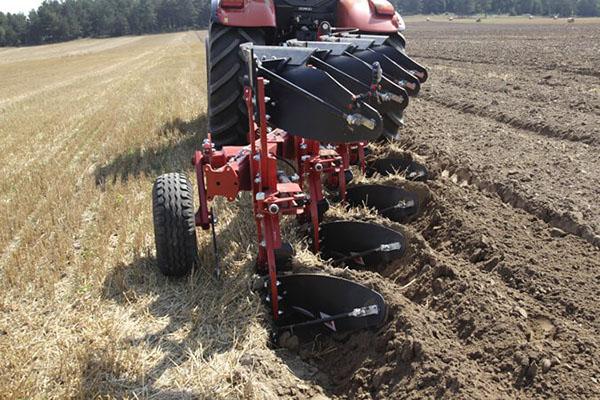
(374, 16)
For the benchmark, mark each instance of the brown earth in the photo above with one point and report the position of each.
(527, 98)
(499, 299)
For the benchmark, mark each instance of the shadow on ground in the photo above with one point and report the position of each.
(197, 316)
(173, 156)
(204, 318)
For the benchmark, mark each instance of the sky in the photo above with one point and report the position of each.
(15, 6)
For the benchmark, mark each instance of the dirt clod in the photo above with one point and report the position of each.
(531, 371)
(289, 341)
(546, 364)
(556, 232)
(478, 255)
(521, 311)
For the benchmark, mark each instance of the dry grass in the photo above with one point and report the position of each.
(85, 128)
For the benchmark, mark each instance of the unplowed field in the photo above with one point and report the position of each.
(495, 298)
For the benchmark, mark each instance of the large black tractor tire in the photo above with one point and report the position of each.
(227, 115)
(174, 225)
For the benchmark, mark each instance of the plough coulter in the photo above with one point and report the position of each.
(293, 104)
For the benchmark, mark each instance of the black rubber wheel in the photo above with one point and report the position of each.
(227, 115)
(174, 225)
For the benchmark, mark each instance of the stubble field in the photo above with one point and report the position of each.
(496, 297)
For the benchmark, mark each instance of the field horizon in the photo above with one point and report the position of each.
(495, 296)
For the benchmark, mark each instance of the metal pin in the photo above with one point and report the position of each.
(274, 209)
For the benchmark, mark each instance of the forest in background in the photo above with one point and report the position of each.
(56, 21)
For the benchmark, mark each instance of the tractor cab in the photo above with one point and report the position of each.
(308, 19)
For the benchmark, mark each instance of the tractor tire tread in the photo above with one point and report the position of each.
(227, 115)
(174, 224)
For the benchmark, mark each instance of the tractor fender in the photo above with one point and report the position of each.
(254, 13)
(361, 14)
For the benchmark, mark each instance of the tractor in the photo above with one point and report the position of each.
(297, 89)
(272, 23)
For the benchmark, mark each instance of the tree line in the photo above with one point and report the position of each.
(56, 21)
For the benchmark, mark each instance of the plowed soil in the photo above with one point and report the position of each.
(496, 296)
(519, 107)
(498, 299)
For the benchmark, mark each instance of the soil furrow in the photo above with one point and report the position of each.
(483, 296)
(447, 165)
(549, 177)
(539, 128)
(541, 93)
(586, 72)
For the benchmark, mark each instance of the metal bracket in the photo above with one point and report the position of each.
(390, 247)
(355, 313)
(213, 221)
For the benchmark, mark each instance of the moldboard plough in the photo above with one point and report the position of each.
(310, 96)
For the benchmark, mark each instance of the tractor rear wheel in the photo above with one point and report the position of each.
(227, 115)
(174, 225)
